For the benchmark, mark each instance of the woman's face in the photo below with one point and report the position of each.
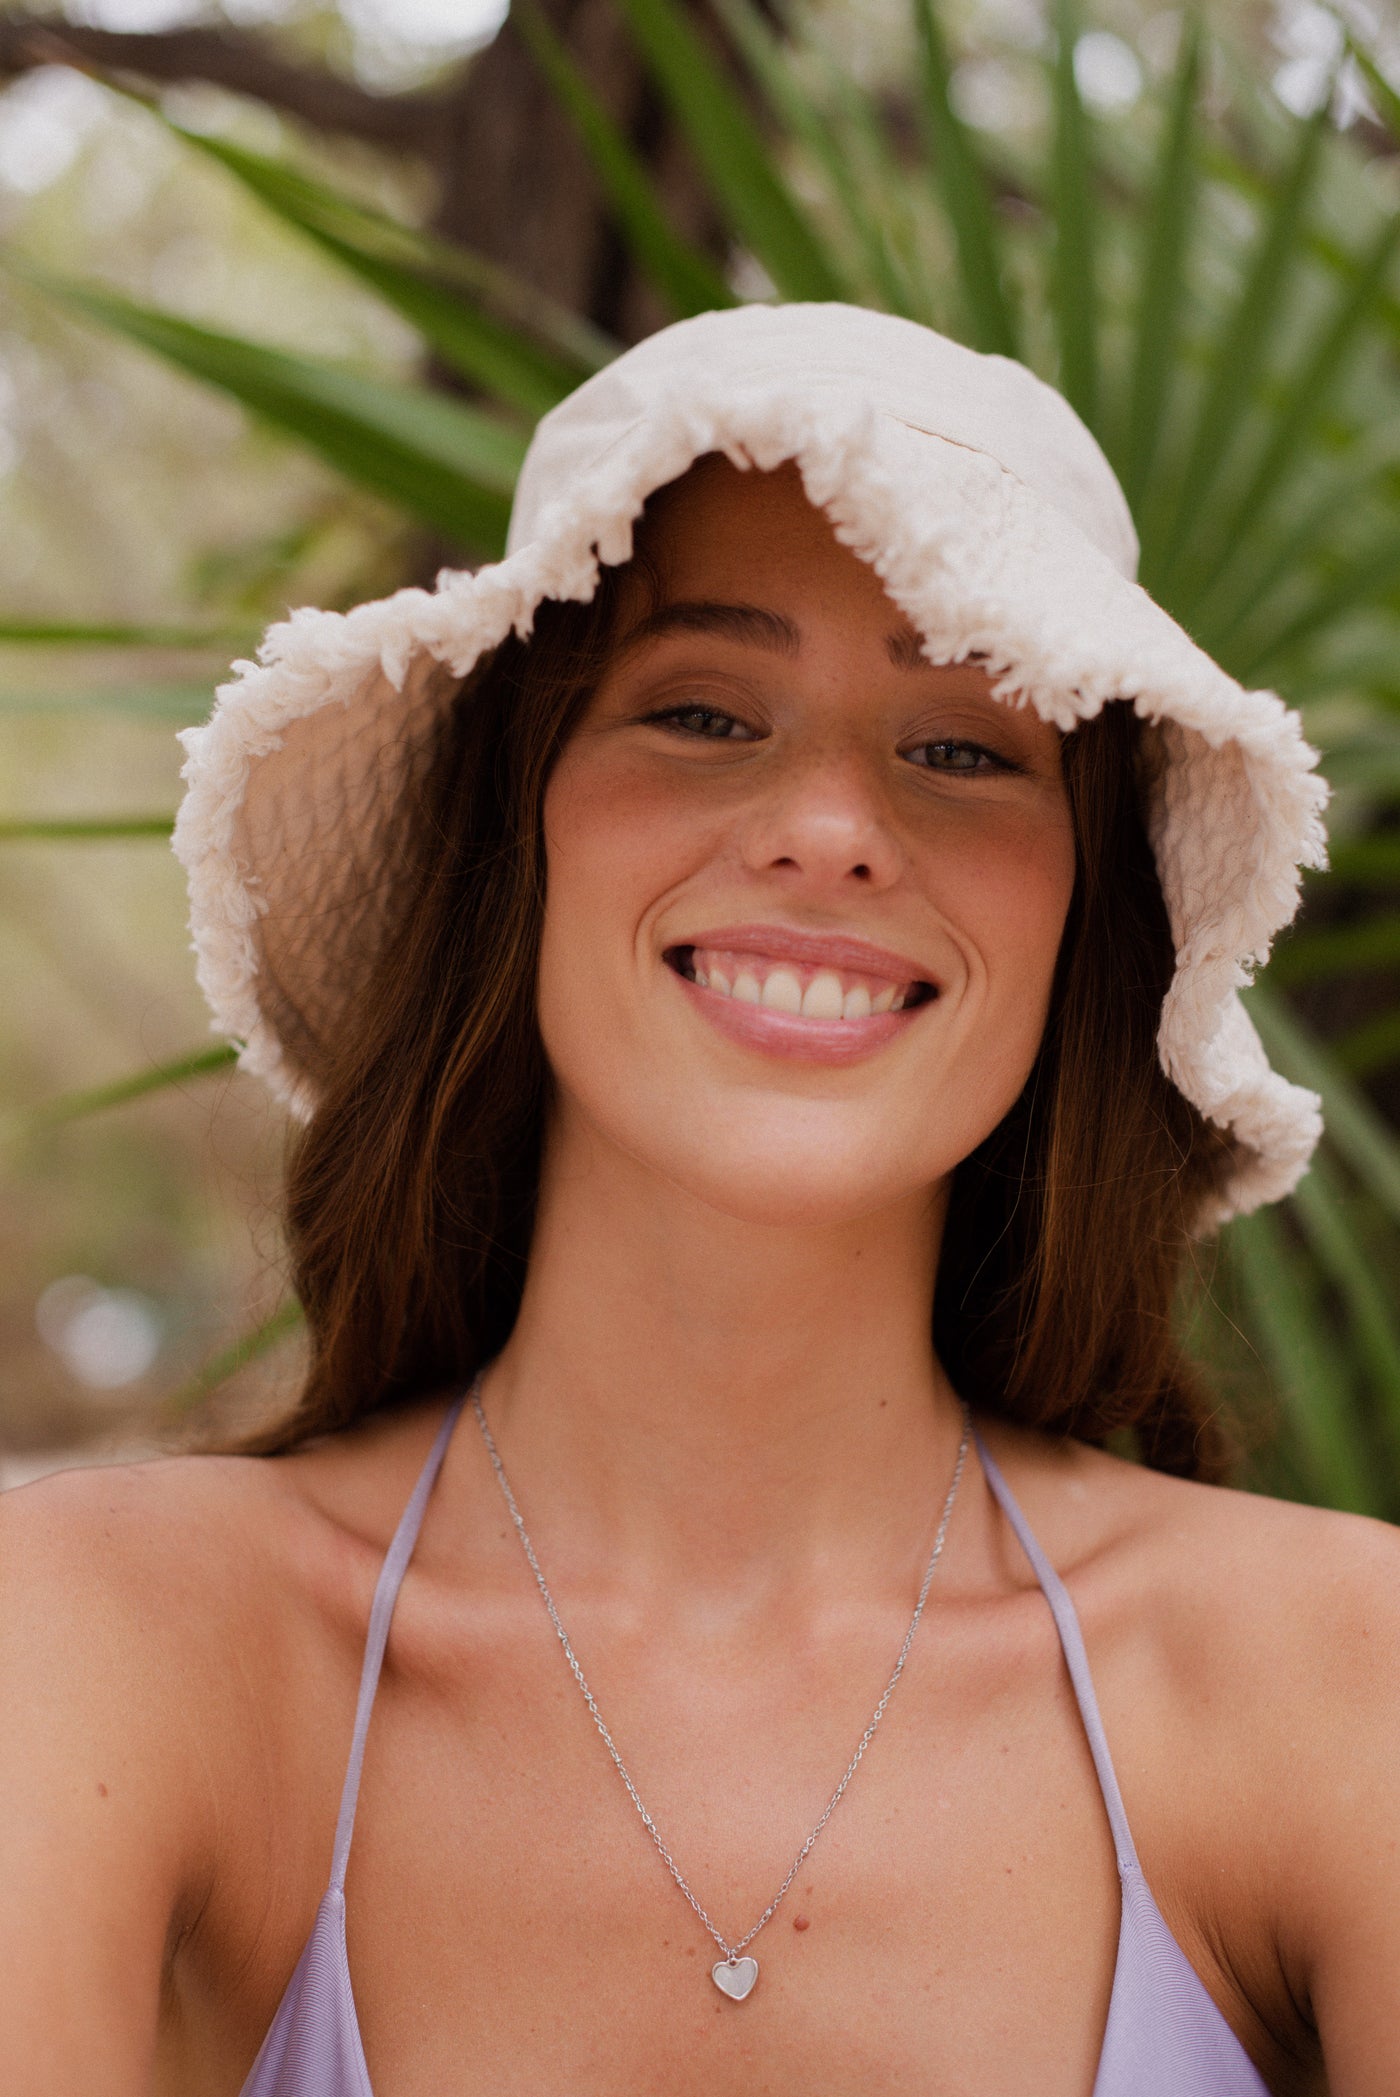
(805, 889)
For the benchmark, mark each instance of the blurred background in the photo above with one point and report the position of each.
(282, 289)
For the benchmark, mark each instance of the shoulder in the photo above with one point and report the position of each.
(175, 1560)
(126, 1594)
(1249, 1649)
(172, 1636)
(167, 1627)
(1303, 1581)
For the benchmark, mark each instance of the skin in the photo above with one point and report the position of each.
(730, 1441)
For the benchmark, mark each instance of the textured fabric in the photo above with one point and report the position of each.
(995, 525)
(1164, 2036)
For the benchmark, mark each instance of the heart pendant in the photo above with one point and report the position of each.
(737, 1980)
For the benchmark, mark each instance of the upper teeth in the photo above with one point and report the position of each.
(826, 994)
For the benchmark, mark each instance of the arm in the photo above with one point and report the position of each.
(103, 1797)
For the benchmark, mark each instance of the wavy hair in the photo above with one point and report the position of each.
(410, 1195)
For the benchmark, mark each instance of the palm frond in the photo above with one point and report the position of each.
(118, 1092)
(1074, 276)
(743, 174)
(685, 278)
(451, 466)
(82, 829)
(1157, 318)
(1237, 355)
(962, 186)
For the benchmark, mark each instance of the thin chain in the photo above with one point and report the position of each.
(730, 1951)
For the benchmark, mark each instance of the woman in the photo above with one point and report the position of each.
(858, 1060)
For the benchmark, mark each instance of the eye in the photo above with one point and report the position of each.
(951, 755)
(710, 723)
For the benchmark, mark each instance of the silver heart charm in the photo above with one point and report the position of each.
(737, 1980)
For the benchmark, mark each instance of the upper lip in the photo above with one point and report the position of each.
(836, 950)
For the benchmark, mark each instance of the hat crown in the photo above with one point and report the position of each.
(895, 368)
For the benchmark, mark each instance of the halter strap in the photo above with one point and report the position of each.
(386, 1593)
(1076, 1660)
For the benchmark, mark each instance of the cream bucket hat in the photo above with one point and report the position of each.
(995, 524)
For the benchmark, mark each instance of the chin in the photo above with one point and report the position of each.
(794, 1170)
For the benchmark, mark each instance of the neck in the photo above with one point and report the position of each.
(721, 1401)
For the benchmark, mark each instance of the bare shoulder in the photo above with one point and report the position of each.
(169, 1632)
(1247, 1652)
(175, 1561)
(127, 1593)
(1307, 1581)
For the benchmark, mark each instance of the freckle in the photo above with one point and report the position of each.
(102, 1791)
(690, 1951)
(801, 1922)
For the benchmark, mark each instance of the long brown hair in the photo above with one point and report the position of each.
(410, 1195)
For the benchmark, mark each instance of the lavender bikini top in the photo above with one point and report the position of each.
(1164, 2036)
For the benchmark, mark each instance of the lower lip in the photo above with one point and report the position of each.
(787, 1034)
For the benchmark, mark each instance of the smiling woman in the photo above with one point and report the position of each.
(757, 970)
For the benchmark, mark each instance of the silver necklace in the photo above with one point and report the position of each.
(733, 1974)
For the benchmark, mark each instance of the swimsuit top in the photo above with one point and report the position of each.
(1164, 2036)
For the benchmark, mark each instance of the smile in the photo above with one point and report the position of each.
(798, 989)
(790, 993)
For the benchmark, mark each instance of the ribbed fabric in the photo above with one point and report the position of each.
(1164, 2036)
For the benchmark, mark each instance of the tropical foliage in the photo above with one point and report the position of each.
(1213, 286)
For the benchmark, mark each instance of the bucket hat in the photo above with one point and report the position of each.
(995, 525)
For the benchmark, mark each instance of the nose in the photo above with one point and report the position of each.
(821, 825)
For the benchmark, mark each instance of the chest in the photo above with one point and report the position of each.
(511, 1925)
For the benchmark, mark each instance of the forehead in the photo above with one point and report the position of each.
(718, 526)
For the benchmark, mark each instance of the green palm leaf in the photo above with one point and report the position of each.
(446, 305)
(1365, 861)
(1237, 355)
(1343, 1254)
(685, 278)
(1239, 623)
(1074, 278)
(770, 63)
(1338, 950)
(118, 633)
(1386, 99)
(1307, 1372)
(1370, 1047)
(449, 465)
(1284, 447)
(1371, 574)
(82, 829)
(118, 1092)
(965, 192)
(1160, 293)
(1354, 1129)
(744, 177)
(182, 701)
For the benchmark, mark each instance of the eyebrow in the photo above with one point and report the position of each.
(756, 627)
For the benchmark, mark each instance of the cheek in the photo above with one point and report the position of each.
(1017, 884)
(614, 840)
(1005, 886)
(616, 844)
